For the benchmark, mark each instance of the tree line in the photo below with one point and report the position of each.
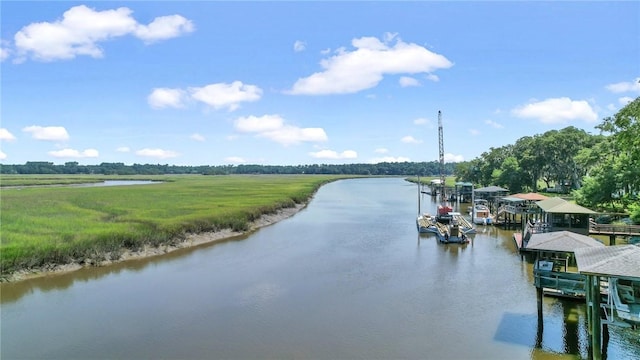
(384, 168)
(601, 171)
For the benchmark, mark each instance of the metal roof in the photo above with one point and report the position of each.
(512, 199)
(619, 261)
(491, 189)
(531, 196)
(560, 206)
(564, 241)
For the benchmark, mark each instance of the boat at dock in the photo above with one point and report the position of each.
(456, 230)
(426, 224)
(481, 214)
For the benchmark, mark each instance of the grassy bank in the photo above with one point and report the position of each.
(58, 225)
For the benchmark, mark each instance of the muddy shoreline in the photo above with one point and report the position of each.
(190, 240)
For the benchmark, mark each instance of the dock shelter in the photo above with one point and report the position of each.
(491, 194)
(559, 214)
(618, 268)
(554, 254)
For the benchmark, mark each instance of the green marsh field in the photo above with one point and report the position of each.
(45, 224)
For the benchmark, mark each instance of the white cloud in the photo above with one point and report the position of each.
(381, 151)
(123, 149)
(453, 158)
(493, 124)
(625, 86)
(474, 132)
(235, 160)
(410, 140)
(165, 97)
(330, 154)
(273, 127)
(433, 77)
(389, 159)
(363, 68)
(72, 153)
(299, 46)
(5, 135)
(4, 51)
(157, 153)
(290, 135)
(197, 137)
(164, 27)
(557, 110)
(406, 81)
(625, 100)
(81, 29)
(228, 96)
(51, 133)
(259, 124)
(3, 156)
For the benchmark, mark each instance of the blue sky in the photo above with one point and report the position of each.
(287, 83)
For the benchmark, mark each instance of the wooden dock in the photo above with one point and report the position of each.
(609, 229)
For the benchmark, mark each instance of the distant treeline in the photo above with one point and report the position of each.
(385, 168)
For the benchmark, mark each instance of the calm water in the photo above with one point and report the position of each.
(348, 277)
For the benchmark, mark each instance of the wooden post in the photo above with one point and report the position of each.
(612, 240)
(539, 296)
(593, 309)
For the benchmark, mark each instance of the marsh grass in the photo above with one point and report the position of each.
(57, 225)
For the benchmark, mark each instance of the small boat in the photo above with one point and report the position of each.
(457, 230)
(480, 213)
(426, 223)
(625, 295)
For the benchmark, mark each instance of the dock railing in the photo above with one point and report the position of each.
(613, 229)
(560, 283)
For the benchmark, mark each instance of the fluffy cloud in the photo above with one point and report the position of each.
(630, 86)
(406, 81)
(4, 52)
(273, 127)
(123, 149)
(5, 135)
(363, 68)
(625, 100)
(51, 133)
(229, 96)
(157, 153)
(165, 97)
(557, 110)
(389, 159)
(299, 46)
(381, 151)
(410, 140)
(164, 27)
(259, 123)
(3, 156)
(81, 29)
(334, 155)
(72, 153)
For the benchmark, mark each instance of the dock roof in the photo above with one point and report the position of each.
(560, 206)
(563, 241)
(618, 261)
(491, 189)
(531, 196)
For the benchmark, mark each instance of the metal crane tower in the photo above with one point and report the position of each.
(441, 149)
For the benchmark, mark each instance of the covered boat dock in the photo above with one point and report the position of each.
(617, 268)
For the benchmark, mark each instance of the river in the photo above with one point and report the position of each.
(347, 277)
